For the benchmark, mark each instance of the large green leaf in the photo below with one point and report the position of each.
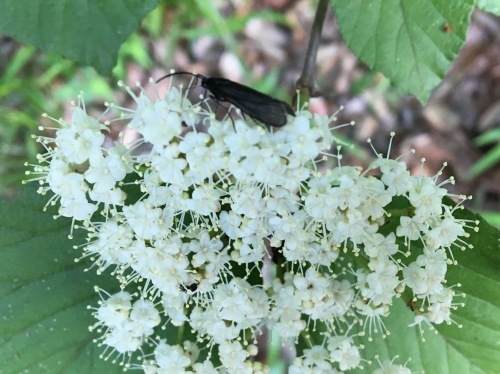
(492, 6)
(478, 271)
(44, 294)
(411, 42)
(474, 347)
(87, 31)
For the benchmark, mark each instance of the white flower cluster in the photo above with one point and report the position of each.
(193, 221)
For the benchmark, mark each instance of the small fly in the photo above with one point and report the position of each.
(185, 288)
(260, 107)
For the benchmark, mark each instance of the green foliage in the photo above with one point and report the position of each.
(411, 42)
(492, 6)
(491, 158)
(28, 87)
(90, 32)
(493, 218)
(44, 294)
(478, 341)
(133, 49)
(433, 355)
(20, 99)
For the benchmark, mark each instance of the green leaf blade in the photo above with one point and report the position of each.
(478, 271)
(492, 6)
(411, 42)
(90, 32)
(44, 294)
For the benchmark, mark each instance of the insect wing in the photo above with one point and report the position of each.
(260, 107)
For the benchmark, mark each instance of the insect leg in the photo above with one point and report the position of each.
(219, 105)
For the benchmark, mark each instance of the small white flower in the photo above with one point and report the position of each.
(426, 197)
(78, 209)
(206, 367)
(123, 339)
(440, 305)
(145, 314)
(230, 224)
(381, 282)
(344, 352)
(114, 196)
(445, 233)
(114, 311)
(243, 139)
(233, 356)
(394, 175)
(250, 249)
(247, 201)
(375, 199)
(158, 122)
(411, 227)
(68, 185)
(175, 308)
(126, 326)
(318, 202)
(81, 138)
(378, 245)
(112, 245)
(302, 139)
(204, 200)
(146, 220)
(388, 367)
(168, 165)
(171, 358)
(317, 357)
(205, 250)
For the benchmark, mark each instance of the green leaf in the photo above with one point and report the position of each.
(488, 137)
(44, 294)
(492, 6)
(90, 32)
(212, 13)
(492, 217)
(478, 273)
(474, 347)
(411, 42)
(489, 160)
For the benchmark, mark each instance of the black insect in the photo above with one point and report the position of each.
(185, 288)
(260, 107)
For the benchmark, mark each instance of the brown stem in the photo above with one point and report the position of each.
(306, 81)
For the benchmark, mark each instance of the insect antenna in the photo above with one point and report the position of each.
(205, 96)
(197, 76)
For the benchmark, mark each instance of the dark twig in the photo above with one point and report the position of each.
(306, 81)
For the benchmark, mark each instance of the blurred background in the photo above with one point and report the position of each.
(262, 44)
